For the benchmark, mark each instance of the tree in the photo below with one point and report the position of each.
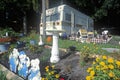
(23, 6)
(98, 8)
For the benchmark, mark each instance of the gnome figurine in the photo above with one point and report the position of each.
(34, 72)
(13, 60)
(23, 65)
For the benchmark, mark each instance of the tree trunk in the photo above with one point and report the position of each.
(24, 24)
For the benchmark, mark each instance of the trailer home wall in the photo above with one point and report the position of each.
(67, 18)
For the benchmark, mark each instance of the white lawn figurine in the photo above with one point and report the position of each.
(13, 60)
(40, 41)
(23, 65)
(34, 70)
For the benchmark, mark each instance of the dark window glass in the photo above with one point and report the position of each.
(68, 17)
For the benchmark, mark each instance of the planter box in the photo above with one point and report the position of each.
(3, 48)
(6, 39)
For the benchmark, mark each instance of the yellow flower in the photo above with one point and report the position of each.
(118, 63)
(84, 46)
(92, 73)
(57, 75)
(111, 74)
(88, 77)
(110, 60)
(52, 72)
(94, 62)
(105, 67)
(111, 66)
(46, 70)
(98, 67)
(104, 71)
(47, 67)
(53, 66)
(89, 69)
(102, 63)
(104, 57)
(97, 59)
(92, 77)
(44, 79)
(49, 73)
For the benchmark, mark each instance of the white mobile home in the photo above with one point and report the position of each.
(67, 18)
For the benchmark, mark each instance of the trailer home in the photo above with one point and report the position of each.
(67, 18)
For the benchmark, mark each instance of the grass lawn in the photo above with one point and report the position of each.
(111, 44)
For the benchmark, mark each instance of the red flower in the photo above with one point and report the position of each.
(62, 79)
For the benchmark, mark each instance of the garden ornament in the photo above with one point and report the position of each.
(15, 52)
(55, 49)
(13, 60)
(6, 33)
(23, 65)
(22, 52)
(40, 41)
(34, 70)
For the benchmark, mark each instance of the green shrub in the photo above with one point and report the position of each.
(2, 75)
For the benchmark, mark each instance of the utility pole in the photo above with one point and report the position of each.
(47, 4)
(72, 22)
(43, 20)
(44, 17)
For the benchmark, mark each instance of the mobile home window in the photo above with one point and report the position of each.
(68, 17)
(55, 17)
(47, 18)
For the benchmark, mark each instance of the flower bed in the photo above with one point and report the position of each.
(104, 68)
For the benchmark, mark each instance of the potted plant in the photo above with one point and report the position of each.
(33, 37)
(6, 36)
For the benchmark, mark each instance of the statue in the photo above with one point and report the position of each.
(13, 60)
(23, 65)
(34, 71)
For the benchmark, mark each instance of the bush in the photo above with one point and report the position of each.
(2, 75)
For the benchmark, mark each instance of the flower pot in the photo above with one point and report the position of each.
(32, 42)
(3, 48)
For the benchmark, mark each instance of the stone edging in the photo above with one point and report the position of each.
(10, 75)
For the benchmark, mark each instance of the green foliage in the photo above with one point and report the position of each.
(2, 75)
(51, 73)
(31, 36)
(36, 5)
(11, 32)
(98, 8)
(46, 55)
(79, 46)
(2, 5)
(35, 48)
(23, 4)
